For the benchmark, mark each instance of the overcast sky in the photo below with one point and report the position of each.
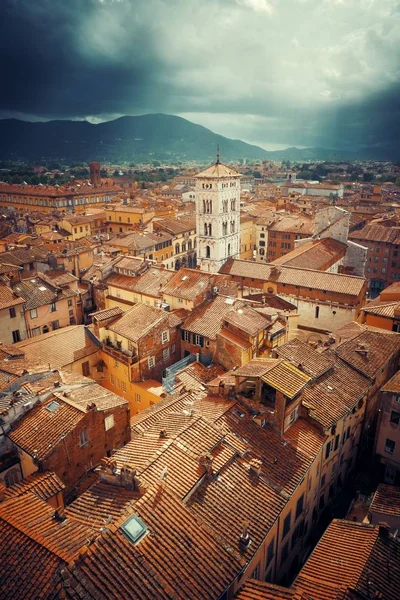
(272, 72)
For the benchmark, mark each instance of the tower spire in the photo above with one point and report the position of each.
(217, 154)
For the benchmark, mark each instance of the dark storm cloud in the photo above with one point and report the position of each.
(274, 72)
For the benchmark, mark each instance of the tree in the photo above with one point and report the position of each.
(368, 176)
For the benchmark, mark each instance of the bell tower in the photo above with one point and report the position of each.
(217, 216)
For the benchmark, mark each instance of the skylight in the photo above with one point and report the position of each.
(42, 288)
(134, 528)
(53, 406)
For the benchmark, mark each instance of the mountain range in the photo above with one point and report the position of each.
(137, 139)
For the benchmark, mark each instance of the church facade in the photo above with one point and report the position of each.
(217, 216)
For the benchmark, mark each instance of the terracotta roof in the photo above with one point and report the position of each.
(39, 292)
(107, 313)
(188, 284)
(314, 255)
(377, 233)
(247, 319)
(334, 393)
(283, 465)
(293, 224)
(90, 393)
(150, 283)
(101, 505)
(8, 298)
(305, 278)
(40, 430)
(55, 191)
(386, 500)
(41, 580)
(260, 590)
(177, 225)
(384, 309)
(178, 559)
(306, 358)
(138, 321)
(351, 556)
(34, 518)
(44, 485)
(393, 385)
(61, 347)
(207, 318)
(286, 378)
(58, 278)
(369, 351)
(217, 170)
(255, 368)
(23, 256)
(305, 436)
(244, 496)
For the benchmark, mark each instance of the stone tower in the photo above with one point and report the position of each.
(95, 177)
(217, 216)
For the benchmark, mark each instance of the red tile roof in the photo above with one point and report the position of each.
(260, 590)
(314, 255)
(235, 496)
(44, 485)
(40, 431)
(8, 298)
(393, 385)
(334, 393)
(304, 278)
(35, 519)
(59, 348)
(177, 559)
(305, 357)
(369, 351)
(351, 557)
(386, 500)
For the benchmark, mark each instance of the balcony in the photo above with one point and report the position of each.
(128, 357)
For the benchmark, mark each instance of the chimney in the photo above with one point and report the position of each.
(255, 466)
(274, 272)
(207, 462)
(245, 540)
(362, 349)
(163, 434)
(384, 530)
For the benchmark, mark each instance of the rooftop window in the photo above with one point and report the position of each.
(134, 528)
(53, 406)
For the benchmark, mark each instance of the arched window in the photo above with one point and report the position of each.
(204, 206)
(189, 244)
(177, 249)
(183, 247)
(205, 229)
(224, 228)
(232, 226)
(233, 205)
(209, 229)
(208, 252)
(229, 249)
